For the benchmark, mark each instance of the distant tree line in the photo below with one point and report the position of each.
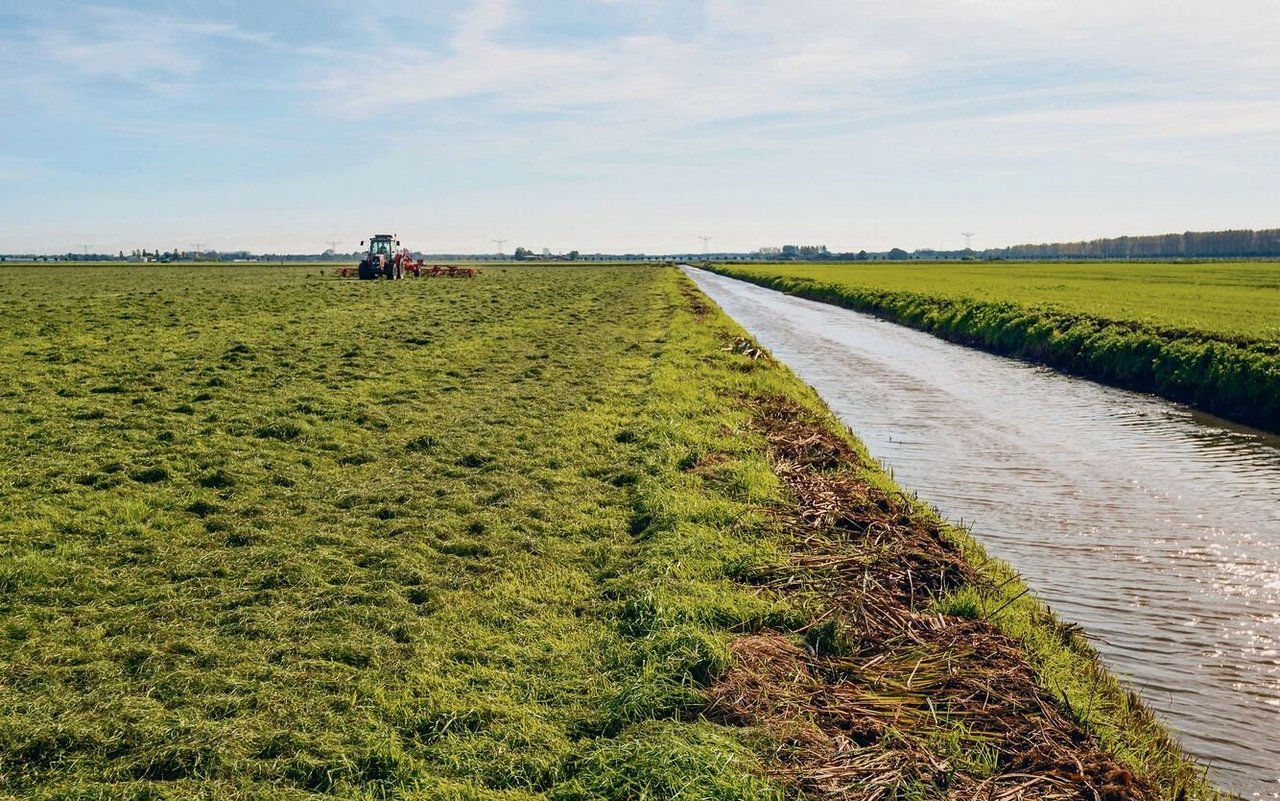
(524, 254)
(144, 255)
(1243, 243)
(170, 256)
(1233, 244)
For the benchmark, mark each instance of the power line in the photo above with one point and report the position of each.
(706, 250)
(500, 243)
(968, 240)
(333, 245)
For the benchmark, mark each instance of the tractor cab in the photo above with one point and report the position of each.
(382, 245)
(381, 260)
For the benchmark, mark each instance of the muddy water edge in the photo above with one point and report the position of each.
(1155, 528)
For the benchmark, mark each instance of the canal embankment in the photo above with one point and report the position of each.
(1233, 377)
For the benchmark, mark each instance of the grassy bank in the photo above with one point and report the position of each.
(268, 534)
(1204, 334)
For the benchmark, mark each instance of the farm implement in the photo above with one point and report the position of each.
(386, 259)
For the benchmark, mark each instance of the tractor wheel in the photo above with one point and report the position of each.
(366, 271)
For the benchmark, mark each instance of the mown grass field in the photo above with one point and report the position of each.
(1207, 334)
(267, 534)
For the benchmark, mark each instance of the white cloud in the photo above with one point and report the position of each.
(158, 52)
(644, 73)
(772, 56)
(788, 117)
(933, 109)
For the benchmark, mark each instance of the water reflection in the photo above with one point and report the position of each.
(1155, 527)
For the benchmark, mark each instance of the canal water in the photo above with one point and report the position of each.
(1155, 528)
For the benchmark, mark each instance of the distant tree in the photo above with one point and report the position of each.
(574, 255)
(862, 256)
(523, 254)
(898, 254)
(1240, 243)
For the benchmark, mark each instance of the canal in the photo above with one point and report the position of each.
(1155, 528)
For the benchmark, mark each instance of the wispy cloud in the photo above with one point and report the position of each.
(638, 74)
(20, 170)
(106, 47)
(821, 60)
(788, 113)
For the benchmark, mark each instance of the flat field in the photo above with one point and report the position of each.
(1239, 301)
(550, 533)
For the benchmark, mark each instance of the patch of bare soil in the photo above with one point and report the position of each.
(882, 698)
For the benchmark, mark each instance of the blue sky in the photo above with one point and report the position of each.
(625, 125)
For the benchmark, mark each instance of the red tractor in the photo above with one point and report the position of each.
(384, 259)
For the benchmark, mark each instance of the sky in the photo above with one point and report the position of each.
(630, 126)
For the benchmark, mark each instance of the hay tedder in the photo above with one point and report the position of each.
(386, 259)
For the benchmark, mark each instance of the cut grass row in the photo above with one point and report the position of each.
(1204, 334)
(271, 535)
(268, 535)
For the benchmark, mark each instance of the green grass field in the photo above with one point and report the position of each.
(268, 534)
(1207, 334)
